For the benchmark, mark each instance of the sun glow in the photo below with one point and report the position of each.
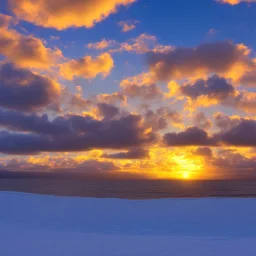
(187, 168)
(186, 175)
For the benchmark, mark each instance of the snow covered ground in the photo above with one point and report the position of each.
(67, 226)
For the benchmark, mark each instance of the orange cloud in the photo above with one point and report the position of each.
(25, 51)
(141, 79)
(5, 20)
(87, 67)
(103, 44)
(128, 25)
(142, 44)
(234, 2)
(142, 86)
(62, 14)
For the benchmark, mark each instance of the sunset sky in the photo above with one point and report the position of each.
(128, 88)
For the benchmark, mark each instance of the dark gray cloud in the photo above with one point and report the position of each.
(248, 79)
(136, 153)
(108, 111)
(208, 57)
(224, 122)
(96, 166)
(16, 168)
(70, 133)
(192, 136)
(145, 91)
(204, 151)
(22, 90)
(17, 121)
(160, 118)
(242, 134)
(22, 143)
(221, 91)
(214, 87)
(233, 161)
(201, 121)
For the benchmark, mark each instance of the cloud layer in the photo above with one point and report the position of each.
(70, 133)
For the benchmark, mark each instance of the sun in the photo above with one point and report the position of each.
(185, 175)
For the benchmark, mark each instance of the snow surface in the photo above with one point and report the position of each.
(36, 225)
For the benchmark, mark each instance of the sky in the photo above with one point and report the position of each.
(128, 88)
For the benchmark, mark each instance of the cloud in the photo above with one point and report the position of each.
(192, 136)
(140, 79)
(21, 143)
(216, 90)
(248, 78)
(201, 121)
(78, 102)
(225, 122)
(20, 89)
(70, 133)
(137, 153)
(96, 166)
(55, 166)
(108, 111)
(138, 87)
(128, 25)
(101, 45)
(113, 98)
(5, 20)
(147, 91)
(234, 2)
(141, 86)
(243, 100)
(87, 67)
(141, 44)
(219, 57)
(160, 118)
(25, 51)
(242, 134)
(234, 132)
(211, 32)
(214, 87)
(16, 121)
(230, 163)
(205, 152)
(62, 14)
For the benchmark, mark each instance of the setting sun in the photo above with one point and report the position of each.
(186, 175)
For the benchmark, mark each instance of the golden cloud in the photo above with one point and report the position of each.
(103, 44)
(25, 51)
(87, 67)
(4, 20)
(234, 2)
(62, 14)
(128, 25)
(141, 44)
